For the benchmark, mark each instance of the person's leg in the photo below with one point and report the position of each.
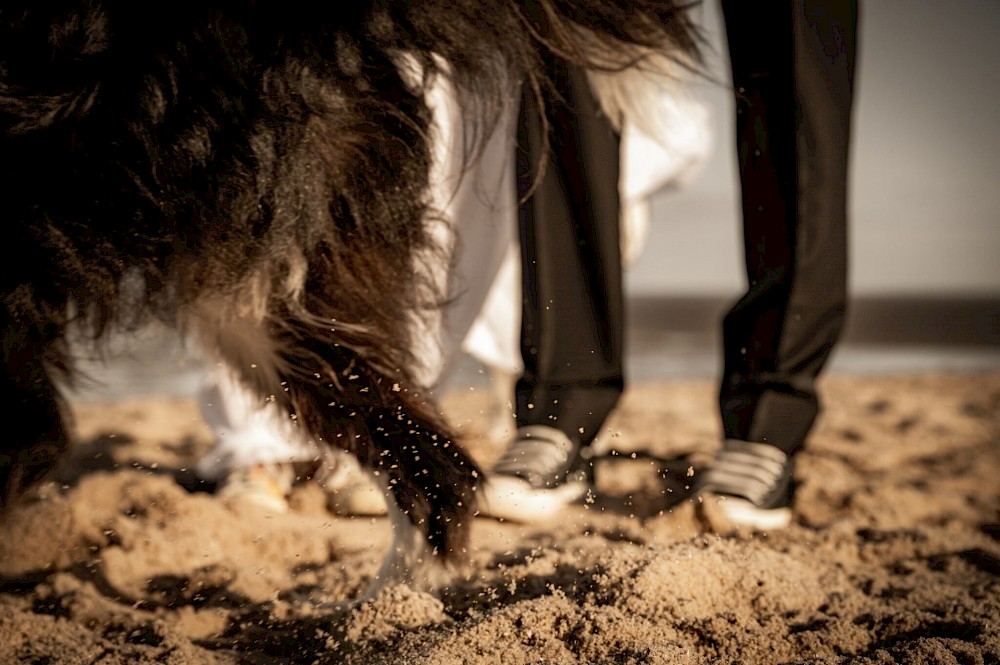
(494, 340)
(247, 430)
(258, 454)
(572, 314)
(475, 195)
(793, 69)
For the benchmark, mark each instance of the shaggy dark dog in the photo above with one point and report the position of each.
(263, 168)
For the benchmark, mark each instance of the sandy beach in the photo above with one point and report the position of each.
(125, 557)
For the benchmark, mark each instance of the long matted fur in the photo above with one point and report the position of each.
(263, 167)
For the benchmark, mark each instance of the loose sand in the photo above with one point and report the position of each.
(894, 557)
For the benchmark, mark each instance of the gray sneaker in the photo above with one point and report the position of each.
(750, 484)
(541, 472)
(543, 456)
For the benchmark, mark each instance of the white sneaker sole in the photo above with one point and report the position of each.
(742, 513)
(513, 499)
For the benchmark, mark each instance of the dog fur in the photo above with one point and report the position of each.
(262, 169)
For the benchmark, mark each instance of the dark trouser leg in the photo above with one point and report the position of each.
(571, 331)
(793, 66)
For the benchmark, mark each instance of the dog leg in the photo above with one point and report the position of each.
(342, 397)
(430, 482)
(410, 559)
(36, 438)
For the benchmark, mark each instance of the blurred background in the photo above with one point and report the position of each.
(925, 219)
(924, 213)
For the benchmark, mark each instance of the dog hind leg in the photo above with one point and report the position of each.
(342, 397)
(36, 439)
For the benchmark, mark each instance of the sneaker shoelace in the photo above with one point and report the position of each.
(752, 471)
